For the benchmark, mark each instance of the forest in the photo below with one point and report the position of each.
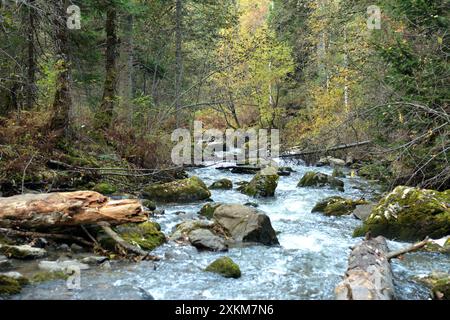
(91, 92)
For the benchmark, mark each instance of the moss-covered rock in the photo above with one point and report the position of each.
(439, 245)
(9, 286)
(439, 283)
(225, 267)
(410, 214)
(338, 173)
(223, 184)
(104, 188)
(146, 235)
(23, 252)
(317, 179)
(337, 206)
(374, 171)
(208, 210)
(44, 276)
(186, 190)
(149, 204)
(263, 183)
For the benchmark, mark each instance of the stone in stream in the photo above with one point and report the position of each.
(438, 245)
(222, 184)
(337, 206)
(338, 173)
(181, 191)
(62, 266)
(183, 229)
(409, 214)
(225, 267)
(94, 260)
(263, 183)
(9, 285)
(245, 224)
(23, 252)
(204, 239)
(330, 161)
(208, 210)
(318, 179)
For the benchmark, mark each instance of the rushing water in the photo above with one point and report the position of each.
(310, 261)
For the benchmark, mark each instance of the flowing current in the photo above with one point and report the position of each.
(308, 264)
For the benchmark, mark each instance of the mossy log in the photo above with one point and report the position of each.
(369, 275)
(67, 209)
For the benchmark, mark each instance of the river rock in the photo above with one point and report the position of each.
(410, 214)
(438, 245)
(363, 211)
(76, 248)
(94, 260)
(104, 188)
(337, 206)
(183, 229)
(146, 235)
(62, 266)
(225, 267)
(9, 286)
(317, 179)
(5, 264)
(338, 173)
(204, 239)
(245, 224)
(330, 161)
(23, 252)
(223, 184)
(183, 191)
(263, 183)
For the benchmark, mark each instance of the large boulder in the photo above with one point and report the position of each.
(204, 239)
(146, 235)
(318, 179)
(222, 184)
(263, 183)
(23, 252)
(337, 206)
(245, 224)
(410, 214)
(225, 267)
(186, 190)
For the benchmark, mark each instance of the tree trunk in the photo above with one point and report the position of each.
(127, 78)
(369, 274)
(178, 57)
(62, 102)
(105, 114)
(67, 209)
(31, 63)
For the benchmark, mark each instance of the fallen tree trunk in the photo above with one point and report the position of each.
(369, 274)
(67, 209)
(335, 148)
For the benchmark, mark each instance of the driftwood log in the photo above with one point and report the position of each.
(67, 209)
(369, 275)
